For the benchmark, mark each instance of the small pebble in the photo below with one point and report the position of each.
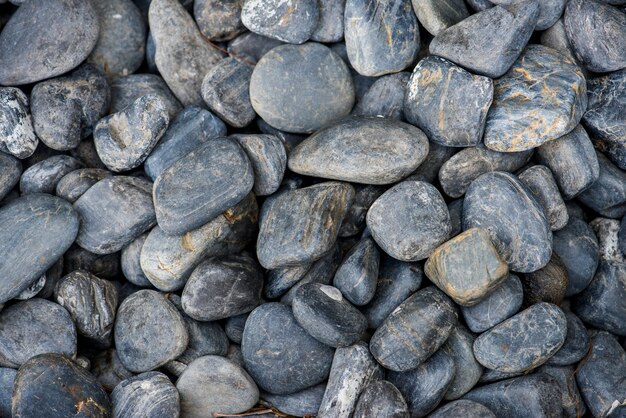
(280, 19)
(357, 275)
(16, 124)
(149, 394)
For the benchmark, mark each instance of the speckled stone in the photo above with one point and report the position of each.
(108, 369)
(44, 176)
(607, 233)
(409, 220)
(249, 47)
(597, 33)
(125, 90)
(437, 16)
(488, 42)
(500, 203)
(468, 370)
(75, 183)
(183, 56)
(150, 395)
(463, 407)
(219, 20)
(46, 38)
(284, 20)
(128, 213)
(282, 357)
(459, 170)
(573, 405)
(385, 97)
(17, 135)
(400, 344)
(541, 183)
(202, 185)
(353, 368)
(447, 102)
(467, 268)
(303, 403)
(300, 226)
(214, 384)
(608, 192)
(524, 341)
(34, 327)
(576, 343)
(51, 385)
(520, 118)
(381, 399)
(548, 284)
(301, 88)
(424, 387)
(269, 161)
(357, 275)
(10, 172)
(7, 376)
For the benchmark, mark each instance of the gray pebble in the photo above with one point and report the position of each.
(385, 97)
(357, 275)
(381, 399)
(107, 368)
(541, 183)
(549, 11)
(44, 176)
(437, 16)
(301, 404)
(7, 376)
(249, 47)
(75, 183)
(573, 405)
(10, 172)
(130, 262)
(468, 370)
(125, 90)
(354, 222)
(219, 20)
(234, 327)
(330, 25)
(576, 343)
(463, 407)
(281, 19)
(269, 161)
(16, 124)
(608, 192)
(148, 395)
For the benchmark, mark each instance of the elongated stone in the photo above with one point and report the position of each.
(300, 226)
(130, 262)
(381, 399)
(10, 172)
(608, 191)
(150, 394)
(576, 343)
(489, 42)
(357, 275)
(125, 90)
(607, 232)
(414, 330)
(16, 125)
(468, 370)
(437, 16)
(128, 213)
(467, 268)
(282, 20)
(409, 220)
(463, 407)
(385, 97)
(48, 224)
(44, 176)
(269, 161)
(75, 183)
(541, 183)
(303, 403)
(524, 341)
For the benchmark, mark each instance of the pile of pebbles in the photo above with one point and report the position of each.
(333, 208)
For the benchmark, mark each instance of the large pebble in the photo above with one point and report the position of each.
(284, 20)
(269, 161)
(357, 275)
(362, 150)
(125, 90)
(44, 176)
(150, 395)
(439, 15)
(16, 124)
(381, 399)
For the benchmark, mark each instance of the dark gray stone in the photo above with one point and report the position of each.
(301, 88)
(218, 20)
(541, 98)
(128, 213)
(490, 376)
(428, 171)
(16, 125)
(381, 37)
(409, 220)
(36, 230)
(549, 11)
(437, 16)
(303, 403)
(447, 102)
(280, 19)
(205, 338)
(44, 39)
(290, 141)
(576, 343)
(577, 247)
(468, 370)
(10, 172)
(456, 217)
(149, 395)
(541, 183)
(300, 226)
(330, 25)
(480, 5)
(108, 369)
(125, 90)
(489, 42)
(149, 331)
(357, 275)
(234, 327)
(105, 266)
(385, 97)
(269, 161)
(86, 152)
(249, 47)
(597, 33)
(7, 376)
(281, 356)
(548, 284)
(354, 222)
(414, 330)
(463, 407)
(379, 151)
(524, 341)
(573, 405)
(130, 262)
(381, 399)
(608, 191)
(44, 176)
(75, 183)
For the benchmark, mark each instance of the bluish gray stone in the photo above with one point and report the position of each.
(357, 275)
(281, 19)
(16, 125)
(428, 171)
(249, 47)
(330, 25)
(130, 262)
(75, 183)
(541, 183)
(150, 395)
(463, 407)
(10, 172)
(439, 15)
(385, 97)
(608, 192)
(218, 20)
(234, 327)
(303, 403)
(125, 90)
(573, 405)
(577, 247)
(7, 376)
(576, 343)
(468, 370)
(381, 399)
(549, 11)
(269, 161)
(44, 176)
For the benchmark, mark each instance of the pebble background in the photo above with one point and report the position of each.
(331, 208)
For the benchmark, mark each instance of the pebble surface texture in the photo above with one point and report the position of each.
(285, 20)
(16, 124)
(149, 394)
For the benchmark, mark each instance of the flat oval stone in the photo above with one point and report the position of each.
(213, 384)
(437, 16)
(385, 97)
(541, 183)
(425, 386)
(150, 394)
(280, 19)
(269, 161)
(281, 356)
(467, 268)
(303, 403)
(576, 343)
(548, 284)
(124, 139)
(381, 399)
(75, 183)
(461, 169)
(459, 347)
(149, 331)
(51, 385)
(448, 103)
(183, 56)
(44, 176)
(128, 213)
(10, 172)
(201, 185)
(44, 39)
(500, 203)
(323, 312)
(597, 33)
(330, 26)
(125, 90)
(381, 37)
(519, 118)
(16, 124)
(463, 407)
(363, 150)
(33, 327)
(409, 220)
(488, 42)
(218, 20)
(414, 330)
(608, 191)
(301, 226)
(357, 275)
(48, 224)
(301, 88)
(7, 376)
(572, 403)
(524, 341)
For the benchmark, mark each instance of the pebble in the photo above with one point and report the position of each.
(500, 203)
(301, 88)
(399, 343)
(205, 338)
(365, 150)
(576, 343)
(249, 47)
(281, 19)
(357, 275)
(488, 42)
(300, 404)
(555, 37)
(268, 157)
(130, 262)
(480, 5)
(541, 183)
(385, 97)
(50, 385)
(16, 124)
(234, 327)
(608, 192)
(128, 213)
(125, 90)
(149, 394)
(183, 56)
(218, 20)
(33, 327)
(46, 38)
(149, 331)
(213, 384)
(354, 222)
(463, 407)
(548, 284)
(381, 399)
(301, 226)
(409, 220)
(523, 341)
(7, 376)
(44, 176)
(549, 11)
(10, 172)
(75, 183)
(281, 356)
(468, 370)
(607, 232)
(573, 405)
(437, 16)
